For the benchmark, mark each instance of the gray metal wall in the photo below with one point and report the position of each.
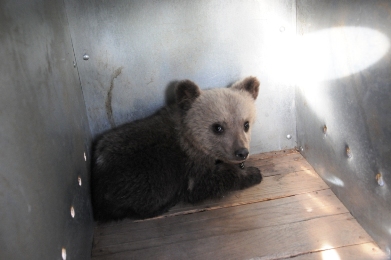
(137, 49)
(43, 136)
(344, 66)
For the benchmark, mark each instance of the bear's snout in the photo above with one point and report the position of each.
(242, 153)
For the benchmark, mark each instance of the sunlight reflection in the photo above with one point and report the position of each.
(338, 52)
(329, 254)
(331, 54)
(320, 204)
(326, 54)
(335, 180)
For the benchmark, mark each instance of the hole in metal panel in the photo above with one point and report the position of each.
(349, 153)
(379, 179)
(73, 212)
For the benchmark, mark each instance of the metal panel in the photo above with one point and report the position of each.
(345, 84)
(137, 49)
(43, 136)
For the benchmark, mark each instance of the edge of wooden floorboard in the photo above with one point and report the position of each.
(272, 154)
(321, 250)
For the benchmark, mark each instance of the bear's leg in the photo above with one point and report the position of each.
(224, 178)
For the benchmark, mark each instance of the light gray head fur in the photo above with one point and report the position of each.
(231, 108)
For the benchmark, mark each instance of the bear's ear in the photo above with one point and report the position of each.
(186, 92)
(250, 84)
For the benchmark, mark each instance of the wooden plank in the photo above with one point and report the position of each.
(279, 153)
(270, 188)
(270, 242)
(260, 159)
(280, 165)
(283, 168)
(216, 222)
(365, 251)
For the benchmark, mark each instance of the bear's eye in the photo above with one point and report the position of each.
(217, 128)
(246, 126)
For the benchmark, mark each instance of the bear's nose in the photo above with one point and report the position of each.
(242, 153)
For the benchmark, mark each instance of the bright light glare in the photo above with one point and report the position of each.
(330, 254)
(334, 180)
(326, 54)
(337, 52)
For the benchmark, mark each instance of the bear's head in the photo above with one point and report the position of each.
(217, 122)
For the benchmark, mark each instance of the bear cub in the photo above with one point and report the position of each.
(188, 151)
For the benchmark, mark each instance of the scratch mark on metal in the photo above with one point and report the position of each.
(109, 108)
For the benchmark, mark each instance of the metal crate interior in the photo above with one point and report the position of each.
(71, 70)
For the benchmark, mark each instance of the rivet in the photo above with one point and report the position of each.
(64, 253)
(325, 129)
(73, 212)
(379, 179)
(74, 64)
(349, 153)
(86, 57)
(79, 180)
(85, 157)
(282, 29)
(301, 149)
(288, 137)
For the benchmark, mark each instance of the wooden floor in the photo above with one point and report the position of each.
(291, 214)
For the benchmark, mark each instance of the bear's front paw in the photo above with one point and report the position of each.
(253, 176)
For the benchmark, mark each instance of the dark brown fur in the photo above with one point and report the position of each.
(143, 168)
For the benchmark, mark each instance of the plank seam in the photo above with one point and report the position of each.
(244, 230)
(193, 211)
(317, 251)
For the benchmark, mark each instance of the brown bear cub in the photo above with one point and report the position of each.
(189, 151)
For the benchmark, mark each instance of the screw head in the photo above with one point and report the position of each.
(86, 57)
